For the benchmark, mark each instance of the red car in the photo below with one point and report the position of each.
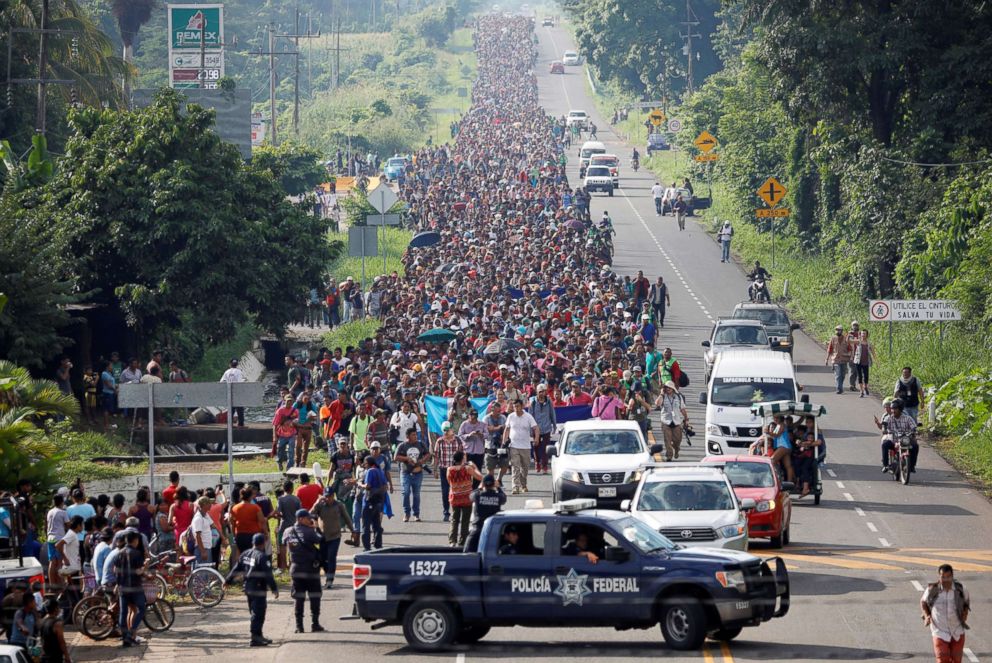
(557, 68)
(754, 477)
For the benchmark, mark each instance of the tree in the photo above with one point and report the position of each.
(295, 166)
(131, 15)
(166, 222)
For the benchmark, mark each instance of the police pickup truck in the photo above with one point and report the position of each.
(571, 565)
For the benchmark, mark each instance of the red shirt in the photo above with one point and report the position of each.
(460, 486)
(582, 399)
(169, 494)
(309, 493)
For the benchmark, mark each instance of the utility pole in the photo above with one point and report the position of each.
(272, 84)
(296, 37)
(39, 123)
(690, 23)
(336, 64)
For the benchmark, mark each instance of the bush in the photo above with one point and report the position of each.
(964, 404)
(351, 333)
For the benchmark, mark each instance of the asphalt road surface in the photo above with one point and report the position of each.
(858, 561)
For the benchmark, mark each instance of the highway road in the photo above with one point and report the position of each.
(858, 561)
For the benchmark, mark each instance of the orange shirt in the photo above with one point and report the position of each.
(244, 518)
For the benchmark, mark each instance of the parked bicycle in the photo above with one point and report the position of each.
(99, 622)
(204, 584)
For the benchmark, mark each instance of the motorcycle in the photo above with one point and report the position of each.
(899, 456)
(758, 290)
(635, 164)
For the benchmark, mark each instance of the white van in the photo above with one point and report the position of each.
(589, 148)
(739, 379)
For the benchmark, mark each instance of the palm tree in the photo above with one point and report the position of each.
(131, 15)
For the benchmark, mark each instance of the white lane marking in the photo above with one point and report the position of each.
(885, 544)
(833, 475)
(460, 658)
(971, 655)
(858, 511)
(849, 497)
(872, 527)
(916, 585)
(840, 484)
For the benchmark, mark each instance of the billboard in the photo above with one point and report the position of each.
(196, 46)
(234, 118)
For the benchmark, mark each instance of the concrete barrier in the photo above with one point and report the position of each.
(128, 486)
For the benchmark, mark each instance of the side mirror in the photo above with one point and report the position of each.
(747, 504)
(705, 344)
(617, 554)
(625, 505)
(702, 398)
(805, 398)
(788, 486)
(657, 449)
(794, 326)
(552, 450)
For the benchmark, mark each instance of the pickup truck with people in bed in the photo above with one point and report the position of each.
(571, 565)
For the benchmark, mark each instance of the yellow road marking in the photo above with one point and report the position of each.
(862, 565)
(976, 555)
(922, 561)
(707, 656)
(725, 650)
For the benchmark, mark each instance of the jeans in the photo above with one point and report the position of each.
(356, 513)
(725, 245)
(257, 606)
(372, 526)
(659, 313)
(458, 532)
(285, 451)
(913, 412)
(853, 370)
(657, 206)
(410, 487)
(840, 370)
(136, 597)
(347, 312)
(330, 551)
(445, 489)
(541, 452)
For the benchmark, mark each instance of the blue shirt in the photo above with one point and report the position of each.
(4, 529)
(108, 382)
(108, 574)
(86, 511)
(374, 480)
(648, 333)
(99, 558)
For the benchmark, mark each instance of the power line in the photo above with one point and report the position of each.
(936, 165)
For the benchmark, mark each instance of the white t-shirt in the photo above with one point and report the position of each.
(71, 552)
(657, 191)
(56, 521)
(403, 422)
(521, 430)
(201, 525)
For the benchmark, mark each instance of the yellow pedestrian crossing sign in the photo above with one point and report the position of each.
(772, 192)
(657, 117)
(705, 141)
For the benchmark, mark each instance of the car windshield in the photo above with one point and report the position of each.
(396, 162)
(589, 151)
(688, 495)
(588, 442)
(577, 114)
(740, 334)
(744, 392)
(641, 535)
(604, 161)
(598, 171)
(749, 475)
(768, 316)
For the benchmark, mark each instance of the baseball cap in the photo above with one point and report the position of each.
(258, 539)
(446, 425)
(303, 513)
(489, 480)
(375, 445)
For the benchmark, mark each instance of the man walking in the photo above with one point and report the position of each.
(444, 451)
(657, 193)
(256, 568)
(673, 417)
(543, 411)
(412, 456)
(658, 296)
(522, 432)
(304, 568)
(460, 477)
(333, 517)
(724, 235)
(129, 569)
(945, 605)
(839, 355)
(231, 376)
(373, 485)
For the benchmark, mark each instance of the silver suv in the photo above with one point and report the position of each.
(733, 334)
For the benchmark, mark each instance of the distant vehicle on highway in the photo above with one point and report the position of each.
(776, 322)
(394, 168)
(598, 178)
(611, 161)
(754, 477)
(586, 152)
(656, 143)
(547, 22)
(570, 58)
(557, 67)
(578, 118)
(732, 335)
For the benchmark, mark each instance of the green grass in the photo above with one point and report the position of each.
(349, 335)
(396, 242)
(458, 63)
(217, 358)
(972, 455)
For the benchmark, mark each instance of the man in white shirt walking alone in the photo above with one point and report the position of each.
(232, 375)
(523, 432)
(945, 605)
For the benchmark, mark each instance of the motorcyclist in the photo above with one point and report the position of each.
(756, 274)
(606, 224)
(897, 424)
(635, 159)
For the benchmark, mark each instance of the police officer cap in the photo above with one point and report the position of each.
(489, 480)
(302, 513)
(258, 539)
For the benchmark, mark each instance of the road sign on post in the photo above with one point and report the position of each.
(772, 192)
(657, 117)
(772, 213)
(675, 125)
(912, 310)
(705, 141)
(196, 45)
(382, 197)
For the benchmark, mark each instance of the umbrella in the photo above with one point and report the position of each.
(574, 224)
(437, 335)
(428, 238)
(501, 346)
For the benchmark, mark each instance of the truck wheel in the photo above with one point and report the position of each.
(776, 541)
(430, 625)
(786, 536)
(471, 634)
(726, 634)
(683, 623)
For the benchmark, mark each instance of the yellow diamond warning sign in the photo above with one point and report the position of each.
(772, 192)
(657, 117)
(705, 141)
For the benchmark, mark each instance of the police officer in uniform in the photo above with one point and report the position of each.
(487, 500)
(254, 564)
(304, 568)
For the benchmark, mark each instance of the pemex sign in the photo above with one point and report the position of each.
(191, 26)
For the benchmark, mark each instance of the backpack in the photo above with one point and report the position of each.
(683, 380)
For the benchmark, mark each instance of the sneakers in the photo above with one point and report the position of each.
(416, 519)
(258, 642)
(317, 628)
(447, 517)
(885, 469)
(516, 491)
(406, 518)
(299, 629)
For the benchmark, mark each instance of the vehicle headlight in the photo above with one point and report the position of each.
(635, 477)
(712, 429)
(571, 475)
(731, 580)
(730, 531)
(784, 343)
(765, 505)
